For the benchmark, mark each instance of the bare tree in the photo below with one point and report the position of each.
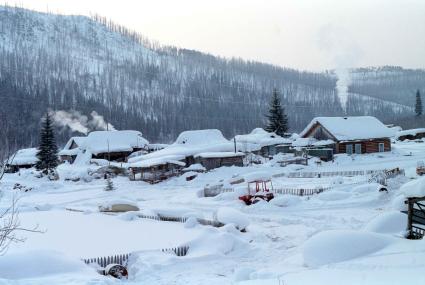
(10, 226)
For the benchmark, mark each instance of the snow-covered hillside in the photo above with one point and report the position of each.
(83, 64)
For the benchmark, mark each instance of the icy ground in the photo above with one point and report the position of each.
(351, 234)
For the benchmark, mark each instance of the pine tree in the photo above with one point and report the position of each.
(47, 151)
(109, 184)
(418, 105)
(277, 119)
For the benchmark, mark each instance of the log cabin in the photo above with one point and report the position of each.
(351, 135)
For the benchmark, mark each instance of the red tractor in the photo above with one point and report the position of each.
(260, 192)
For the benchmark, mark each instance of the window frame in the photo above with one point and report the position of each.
(349, 147)
(379, 147)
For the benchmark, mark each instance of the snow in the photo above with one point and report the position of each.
(191, 143)
(351, 232)
(390, 222)
(33, 264)
(259, 138)
(351, 128)
(159, 161)
(302, 142)
(223, 154)
(339, 245)
(113, 141)
(227, 215)
(195, 167)
(412, 132)
(27, 156)
(67, 150)
(415, 188)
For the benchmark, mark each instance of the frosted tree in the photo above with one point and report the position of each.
(109, 184)
(47, 150)
(418, 104)
(277, 119)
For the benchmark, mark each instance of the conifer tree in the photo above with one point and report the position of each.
(47, 151)
(109, 184)
(277, 119)
(418, 104)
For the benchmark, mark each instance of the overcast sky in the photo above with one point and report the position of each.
(304, 34)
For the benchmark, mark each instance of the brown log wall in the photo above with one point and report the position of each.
(368, 146)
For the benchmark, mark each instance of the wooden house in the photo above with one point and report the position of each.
(352, 135)
(261, 143)
(206, 147)
(71, 149)
(155, 170)
(211, 160)
(21, 159)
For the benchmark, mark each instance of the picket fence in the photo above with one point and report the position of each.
(204, 222)
(122, 259)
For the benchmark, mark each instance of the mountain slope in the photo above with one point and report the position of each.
(75, 63)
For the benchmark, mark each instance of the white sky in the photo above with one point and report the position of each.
(304, 34)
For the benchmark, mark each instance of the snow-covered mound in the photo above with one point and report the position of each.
(415, 188)
(341, 245)
(391, 222)
(33, 264)
(286, 200)
(228, 215)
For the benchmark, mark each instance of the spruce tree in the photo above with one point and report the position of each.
(277, 119)
(109, 184)
(47, 151)
(418, 104)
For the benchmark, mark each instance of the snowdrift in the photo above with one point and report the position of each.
(339, 245)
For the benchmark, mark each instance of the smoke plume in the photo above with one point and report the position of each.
(80, 123)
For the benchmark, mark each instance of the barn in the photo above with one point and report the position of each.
(352, 135)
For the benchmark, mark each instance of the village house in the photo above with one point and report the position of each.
(23, 158)
(262, 143)
(351, 135)
(105, 145)
(208, 148)
(155, 170)
(71, 149)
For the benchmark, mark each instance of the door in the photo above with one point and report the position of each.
(381, 147)
(358, 148)
(349, 149)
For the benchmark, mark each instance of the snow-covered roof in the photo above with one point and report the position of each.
(219, 154)
(114, 141)
(191, 143)
(302, 142)
(158, 161)
(67, 150)
(259, 138)
(195, 167)
(351, 128)
(412, 132)
(27, 156)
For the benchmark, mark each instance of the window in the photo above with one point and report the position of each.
(358, 148)
(349, 149)
(381, 147)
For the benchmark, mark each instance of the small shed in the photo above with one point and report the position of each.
(211, 160)
(413, 134)
(261, 142)
(155, 170)
(352, 135)
(23, 158)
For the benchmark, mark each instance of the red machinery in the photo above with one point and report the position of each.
(261, 191)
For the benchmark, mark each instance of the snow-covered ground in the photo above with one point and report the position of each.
(351, 234)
